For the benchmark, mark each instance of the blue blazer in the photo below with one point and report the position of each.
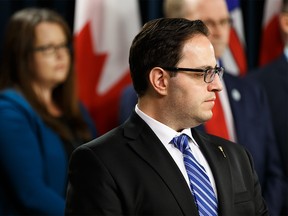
(33, 161)
(254, 131)
(274, 78)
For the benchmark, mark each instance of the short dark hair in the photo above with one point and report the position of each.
(159, 44)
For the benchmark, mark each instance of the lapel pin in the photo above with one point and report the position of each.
(222, 151)
(236, 94)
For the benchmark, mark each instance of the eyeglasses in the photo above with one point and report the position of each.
(51, 49)
(223, 23)
(209, 74)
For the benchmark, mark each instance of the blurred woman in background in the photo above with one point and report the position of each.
(41, 120)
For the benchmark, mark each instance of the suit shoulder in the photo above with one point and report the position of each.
(112, 139)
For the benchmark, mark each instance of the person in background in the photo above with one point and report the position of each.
(244, 103)
(41, 120)
(246, 115)
(156, 163)
(274, 78)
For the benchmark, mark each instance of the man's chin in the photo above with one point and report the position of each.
(205, 119)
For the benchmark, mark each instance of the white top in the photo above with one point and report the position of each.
(286, 51)
(166, 134)
(223, 97)
(228, 117)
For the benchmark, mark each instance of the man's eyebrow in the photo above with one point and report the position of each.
(205, 67)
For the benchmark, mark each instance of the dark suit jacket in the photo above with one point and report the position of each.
(251, 114)
(129, 172)
(274, 78)
(254, 128)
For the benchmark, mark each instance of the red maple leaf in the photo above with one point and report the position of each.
(272, 44)
(103, 108)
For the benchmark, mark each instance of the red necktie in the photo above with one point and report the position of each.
(217, 124)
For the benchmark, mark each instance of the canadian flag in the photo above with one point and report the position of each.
(103, 31)
(271, 42)
(234, 58)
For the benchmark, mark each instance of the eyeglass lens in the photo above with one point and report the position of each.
(210, 74)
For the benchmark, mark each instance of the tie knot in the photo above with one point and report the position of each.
(181, 142)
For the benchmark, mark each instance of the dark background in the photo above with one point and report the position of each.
(252, 14)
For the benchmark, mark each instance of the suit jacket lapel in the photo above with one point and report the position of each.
(219, 163)
(147, 145)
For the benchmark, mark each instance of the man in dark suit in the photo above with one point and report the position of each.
(245, 105)
(136, 169)
(274, 78)
(246, 110)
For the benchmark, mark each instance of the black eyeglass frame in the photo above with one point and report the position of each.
(216, 70)
(51, 49)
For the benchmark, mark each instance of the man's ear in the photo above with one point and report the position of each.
(159, 80)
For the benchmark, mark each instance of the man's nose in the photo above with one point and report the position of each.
(216, 84)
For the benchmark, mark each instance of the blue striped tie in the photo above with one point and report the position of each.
(201, 188)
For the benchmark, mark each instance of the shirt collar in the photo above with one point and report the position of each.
(162, 131)
(286, 51)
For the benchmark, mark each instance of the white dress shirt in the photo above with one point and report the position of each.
(286, 51)
(166, 134)
(223, 97)
(224, 100)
